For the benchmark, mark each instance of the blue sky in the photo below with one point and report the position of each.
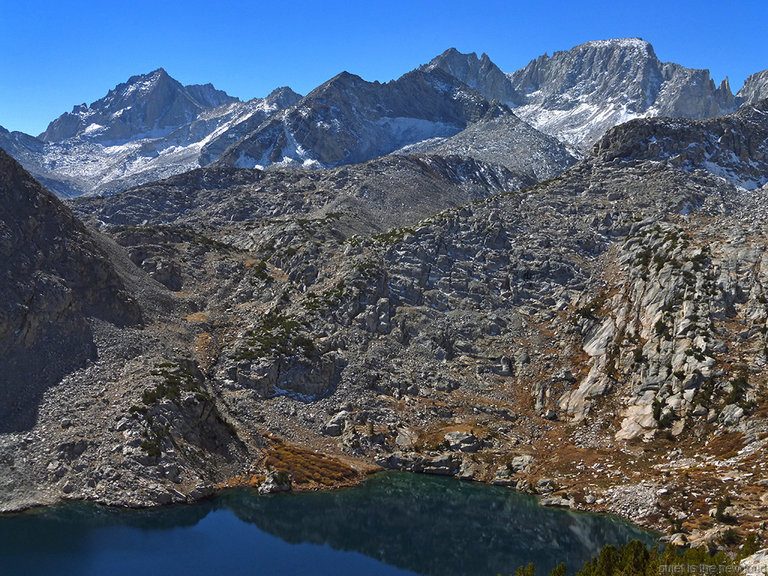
(58, 53)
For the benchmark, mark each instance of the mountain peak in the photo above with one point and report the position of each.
(152, 103)
(578, 94)
(480, 74)
(284, 97)
(342, 81)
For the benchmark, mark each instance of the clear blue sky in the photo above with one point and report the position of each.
(58, 53)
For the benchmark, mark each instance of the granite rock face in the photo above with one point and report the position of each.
(480, 74)
(57, 275)
(579, 94)
(755, 88)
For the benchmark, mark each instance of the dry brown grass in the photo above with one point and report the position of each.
(309, 469)
(725, 445)
(197, 318)
(204, 347)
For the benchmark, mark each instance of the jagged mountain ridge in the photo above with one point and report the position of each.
(348, 120)
(577, 95)
(572, 95)
(153, 128)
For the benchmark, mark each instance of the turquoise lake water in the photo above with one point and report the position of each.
(395, 523)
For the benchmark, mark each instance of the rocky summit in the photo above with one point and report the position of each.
(577, 95)
(146, 104)
(475, 299)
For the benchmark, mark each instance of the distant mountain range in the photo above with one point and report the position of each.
(152, 127)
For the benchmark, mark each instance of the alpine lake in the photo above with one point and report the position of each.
(394, 523)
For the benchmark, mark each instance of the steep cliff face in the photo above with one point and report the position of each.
(56, 277)
(578, 95)
(480, 74)
(755, 88)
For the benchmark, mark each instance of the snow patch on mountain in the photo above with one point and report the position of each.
(106, 147)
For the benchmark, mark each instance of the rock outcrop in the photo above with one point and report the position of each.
(755, 88)
(734, 147)
(57, 276)
(502, 139)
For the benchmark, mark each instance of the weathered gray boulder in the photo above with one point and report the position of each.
(335, 426)
(546, 486)
(275, 481)
(731, 415)
(463, 441)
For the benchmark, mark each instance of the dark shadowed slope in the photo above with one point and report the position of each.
(53, 278)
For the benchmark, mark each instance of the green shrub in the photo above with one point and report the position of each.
(277, 334)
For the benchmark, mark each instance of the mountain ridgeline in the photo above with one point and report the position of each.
(577, 95)
(152, 127)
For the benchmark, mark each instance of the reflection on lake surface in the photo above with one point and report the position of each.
(395, 523)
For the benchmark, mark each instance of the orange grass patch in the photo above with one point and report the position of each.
(197, 318)
(309, 469)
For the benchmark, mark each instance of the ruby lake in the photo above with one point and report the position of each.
(394, 523)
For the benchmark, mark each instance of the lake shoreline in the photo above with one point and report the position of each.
(246, 482)
(424, 524)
